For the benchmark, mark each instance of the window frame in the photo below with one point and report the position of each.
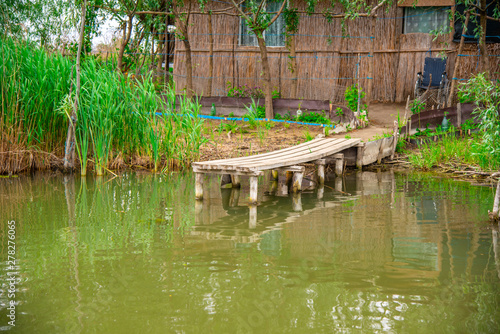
(432, 9)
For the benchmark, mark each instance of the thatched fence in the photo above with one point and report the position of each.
(376, 54)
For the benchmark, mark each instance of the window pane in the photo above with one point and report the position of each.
(425, 19)
(247, 36)
(274, 34)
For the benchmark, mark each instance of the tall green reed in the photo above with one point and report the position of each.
(116, 115)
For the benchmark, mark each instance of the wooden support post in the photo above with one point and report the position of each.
(274, 174)
(459, 115)
(297, 202)
(359, 157)
(339, 164)
(320, 163)
(297, 182)
(252, 216)
(225, 181)
(235, 179)
(254, 181)
(198, 187)
(395, 137)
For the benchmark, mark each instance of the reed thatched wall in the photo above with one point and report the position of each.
(326, 63)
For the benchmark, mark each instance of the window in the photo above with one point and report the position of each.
(274, 35)
(425, 19)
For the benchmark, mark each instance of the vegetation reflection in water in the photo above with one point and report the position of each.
(404, 253)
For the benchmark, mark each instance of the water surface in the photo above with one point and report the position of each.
(136, 254)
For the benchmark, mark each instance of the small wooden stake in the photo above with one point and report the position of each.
(395, 141)
(254, 181)
(199, 186)
(297, 182)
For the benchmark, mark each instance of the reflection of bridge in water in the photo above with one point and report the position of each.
(393, 227)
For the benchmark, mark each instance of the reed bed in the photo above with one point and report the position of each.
(121, 120)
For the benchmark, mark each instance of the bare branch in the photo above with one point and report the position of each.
(279, 13)
(377, 7)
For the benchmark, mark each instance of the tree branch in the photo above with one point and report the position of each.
(377, 7)
(488, 17)
(278, 14)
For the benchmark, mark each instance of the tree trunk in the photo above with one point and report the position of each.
(266, 78)
(482, 41)
(69, 150)
(127, 31)
(183, 27)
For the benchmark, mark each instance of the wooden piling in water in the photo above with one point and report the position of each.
(339, 164)
(320, 163)
(254, 181)
(198, 189)
(297, 182)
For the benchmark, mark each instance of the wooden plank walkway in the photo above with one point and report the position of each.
(286, 160)
(306, 152)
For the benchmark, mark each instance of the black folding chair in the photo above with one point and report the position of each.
(434, 77)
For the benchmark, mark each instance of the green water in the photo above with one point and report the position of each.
(136, 254)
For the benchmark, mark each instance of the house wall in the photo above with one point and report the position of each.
(325, 65)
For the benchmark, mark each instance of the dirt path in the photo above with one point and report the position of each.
(382, 117)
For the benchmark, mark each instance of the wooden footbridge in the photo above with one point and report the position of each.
(286, 160)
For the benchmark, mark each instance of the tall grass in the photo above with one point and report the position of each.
(117, 115)
(453, 150)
